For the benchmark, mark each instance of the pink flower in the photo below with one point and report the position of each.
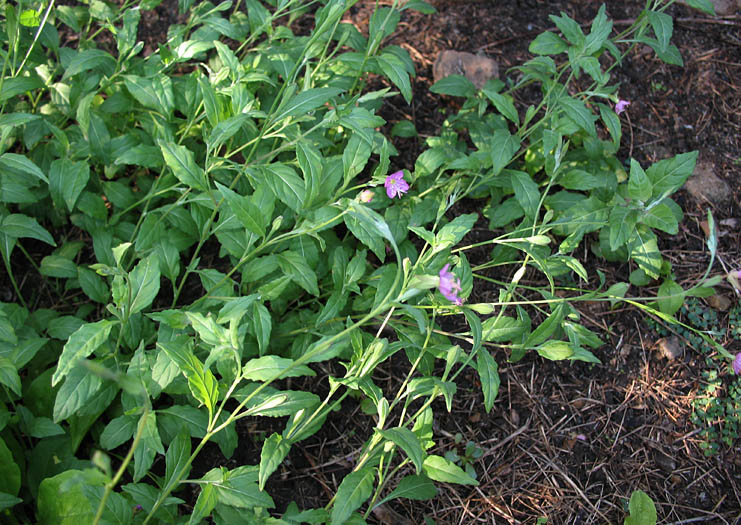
(737, 363)
(621, 106)
(450, 285)
(365, 196)
(396, 185)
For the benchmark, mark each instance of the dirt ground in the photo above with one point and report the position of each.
(567, 442)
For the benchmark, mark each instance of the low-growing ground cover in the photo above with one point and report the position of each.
(240, 170)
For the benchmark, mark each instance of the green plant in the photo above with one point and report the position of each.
(471, 454)
(210, 223)
(642, 509)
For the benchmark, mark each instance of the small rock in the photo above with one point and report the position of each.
(719, 302)
(722, 7)
(476, 68)
(705, 185)
(671, 347)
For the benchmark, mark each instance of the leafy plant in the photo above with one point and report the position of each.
(206, 221)
(642, 509)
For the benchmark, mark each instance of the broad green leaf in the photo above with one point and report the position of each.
(504, 105)
(205, 504)
(548, 43)
(190, 48)
(394, 69)
(404, 129)
(555, 350)
(408, 442)
(294, 265)
(21, 226)
(644, 250)
(570, 29)
(642, 509)
(355, 156)
(310, 161)
(10, 473)
(547, 327)
(80, 345)
(454, 85)
(598, 33)
(58, 266)
(438, 468)
(639, 186)
(503, 148)
(180, 160)
(7, 501)
(354, 490)
(240, 489)
(277, 403)
(669, 175)
(663, 26)
(670, 297)
(177, 457)
(62, 501)
(612, 121)
(274, 451)
(502, 328)
(210, 100)
(453, 232)
(149, 446)
(706, 6)
(305, 101)
(622, 225)
(489, 375)
(662, 218)
(90, 59)
(251, 216)
(413, 487)
(577, 111)
(145, 283)
(269, 367)
(93, 286)
(21, 164)
(225, 130)
(285, 183)
(526, 192)
(15, 86)
(118, 431)
(78, 389)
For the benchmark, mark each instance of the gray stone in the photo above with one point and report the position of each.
(476, 68)
(706, 186)
(671, 347)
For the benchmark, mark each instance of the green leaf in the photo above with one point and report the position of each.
(569, 28)
(262, 325)
(622, 225)
(706, 6)
(294, 265)
(21, 226)
(404, 129)
(555, 350)
(118, 431)
(440, 469)
(93, 286)
(10, 473)
(598, 33)
(247, 212)
(21, 164)
(81, 344)
(9, 376)
(503, 148)
(61, 499)
(239, 489)
(644, 250)
(225, 130)
(355, 156)
(502, 328)
(180, 160)
(642, 509)
(662, 218)
(153, 92)
(7, 501)
(413, 487)
(669, 175)
(90, 59)
(274, 451)
(78, 389)
(612, 121)
(394, 69)
(670, 297)
(489, 375)
(577, 111)
(526, 193)
(205, 504)
(639, 185)
(548, 43)
(305, 101)
(18, 85)
(269, 367)
(663, 26)
(286, 184)
(454, 85)
(503, 103)
(177, 456)
(58, 266)
(453, 232)
(354, 490)
(408, 442)
(149, 445)
(145, 283)
(547, 327)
